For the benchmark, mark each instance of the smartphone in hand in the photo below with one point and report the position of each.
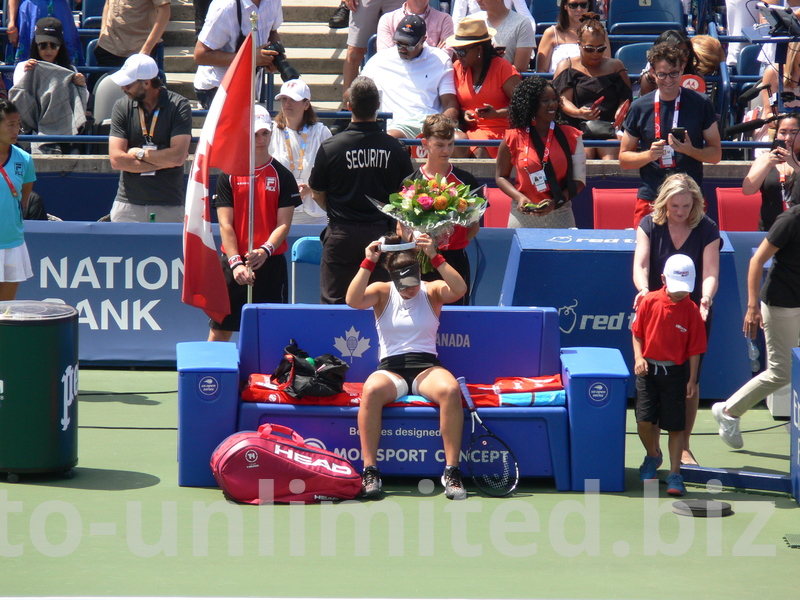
(679, 133)
(778, 144)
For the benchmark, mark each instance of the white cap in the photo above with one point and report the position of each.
(138, 67)
(262, 119)
(680, 273)
(295, 89)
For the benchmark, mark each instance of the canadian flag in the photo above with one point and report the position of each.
(224, 144)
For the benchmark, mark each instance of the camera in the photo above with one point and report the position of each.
(287, 71)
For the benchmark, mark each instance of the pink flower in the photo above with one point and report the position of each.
(452, 192)
(425, 201)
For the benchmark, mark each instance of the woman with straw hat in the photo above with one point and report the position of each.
(484, 83)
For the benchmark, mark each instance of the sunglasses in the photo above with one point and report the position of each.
(594, 49)
(48, 45)
(462, 52)
(577, 5)
(407, 47)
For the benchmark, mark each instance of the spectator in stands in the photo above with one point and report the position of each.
(560, 41)
(668, 339)
(513, 32)
(774, 173)
(364, 17)
(791, 81)
(467, 8)
(549, 159)
(21, 27)
(407, 318)
(226, 27)
(709, 53)
(151, 128)
(295, 142)
(776, 310)
(15, 188)
(360, 161)
(414, 79)
(130, 27)
(680, 40)
(438, 140)
(739, 15)
(649, 144)
(439, 25)
(591, 79)
(484, 83)
(275, 197)
(679, 223)
(48, 90)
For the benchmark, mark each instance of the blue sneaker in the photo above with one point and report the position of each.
(649, 467)
(675, 485)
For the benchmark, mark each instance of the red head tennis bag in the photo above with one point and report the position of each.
(292, 470)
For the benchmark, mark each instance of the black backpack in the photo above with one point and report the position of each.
(299, 375)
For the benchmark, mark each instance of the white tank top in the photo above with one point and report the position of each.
(562, 52)
(407, 325)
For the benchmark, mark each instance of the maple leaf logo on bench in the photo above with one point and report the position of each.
(352, 344)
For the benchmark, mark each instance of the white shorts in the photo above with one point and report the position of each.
(16, 264)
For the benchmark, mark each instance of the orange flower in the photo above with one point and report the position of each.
(440, 203)
(462, 205)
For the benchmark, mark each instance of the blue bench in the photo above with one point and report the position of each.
(584, 439)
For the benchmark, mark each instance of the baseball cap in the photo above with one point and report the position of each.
(49, 29)
(262, 119)
(680, 273)
(295, 89)
(138, 67)
(410, 30)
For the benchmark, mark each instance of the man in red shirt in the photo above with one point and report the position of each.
(668, 338)
(275, 198)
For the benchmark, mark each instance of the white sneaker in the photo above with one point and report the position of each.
(728, 426)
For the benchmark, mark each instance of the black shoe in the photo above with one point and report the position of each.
(341, 18)
(453, 486)
(371, 482)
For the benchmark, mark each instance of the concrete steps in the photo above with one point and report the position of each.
(315, 50)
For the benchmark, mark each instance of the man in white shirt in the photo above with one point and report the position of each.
(225, 29)
(414, 79)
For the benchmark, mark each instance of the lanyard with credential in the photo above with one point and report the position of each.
(287, 139)
(657, 115)
(11, 187)
(547, 144)
(148, 137)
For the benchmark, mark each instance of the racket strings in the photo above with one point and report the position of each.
(492, 465)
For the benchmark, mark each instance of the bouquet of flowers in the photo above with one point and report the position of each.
(434, 206)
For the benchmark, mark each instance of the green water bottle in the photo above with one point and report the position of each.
(152, 217)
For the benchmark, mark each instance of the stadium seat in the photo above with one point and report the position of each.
(92, 14)
(372, 48)
(748, 64)
(613, 208)
(306, 250)
(499, 208)
(634, 17)
(91, 59)
(633, 56)
(736, 211)
(545, 12)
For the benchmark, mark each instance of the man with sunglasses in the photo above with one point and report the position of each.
(654, 124)
(415, 80)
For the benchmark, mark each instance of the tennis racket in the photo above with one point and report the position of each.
(491, 463)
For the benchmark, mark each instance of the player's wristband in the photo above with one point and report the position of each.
(368, 265)
(235, 260)
(268, 248)
(437, 261)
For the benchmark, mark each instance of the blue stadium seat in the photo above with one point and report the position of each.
(306, 250)
(92, 14)
(545, 12)
(633, 17)
(634, 56)
(372, 48)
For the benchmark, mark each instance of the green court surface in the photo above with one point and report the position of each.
(123, 527)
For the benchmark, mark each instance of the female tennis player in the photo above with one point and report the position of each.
(407, 319)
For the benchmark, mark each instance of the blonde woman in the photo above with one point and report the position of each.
(678, 225)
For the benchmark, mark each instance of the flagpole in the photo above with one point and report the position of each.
(251, 187)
